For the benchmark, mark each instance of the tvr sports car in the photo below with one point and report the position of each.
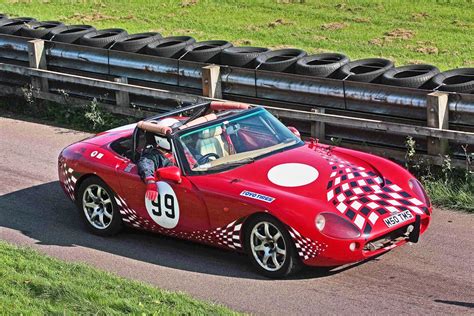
(243, 181)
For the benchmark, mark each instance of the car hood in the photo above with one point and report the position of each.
(326, 178)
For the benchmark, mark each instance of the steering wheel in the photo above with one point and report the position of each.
(204, 159)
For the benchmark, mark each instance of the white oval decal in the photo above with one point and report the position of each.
(292, 174)
(165, 209)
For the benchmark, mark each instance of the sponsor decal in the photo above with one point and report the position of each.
(165, 209)
(257, 196)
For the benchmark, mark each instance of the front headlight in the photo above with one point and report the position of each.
(333, 225)
(420, 192)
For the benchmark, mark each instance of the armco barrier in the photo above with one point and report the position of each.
(183, 81)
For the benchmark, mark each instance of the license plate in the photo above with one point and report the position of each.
(398, 218)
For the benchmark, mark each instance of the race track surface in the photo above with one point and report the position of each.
(434, 276)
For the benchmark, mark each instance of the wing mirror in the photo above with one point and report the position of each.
(171, 173)
(294, 131)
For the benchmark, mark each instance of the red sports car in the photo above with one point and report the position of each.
(241, 180)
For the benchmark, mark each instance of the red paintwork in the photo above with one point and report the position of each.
(212, 201)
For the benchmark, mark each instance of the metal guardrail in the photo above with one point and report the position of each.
(377, 104)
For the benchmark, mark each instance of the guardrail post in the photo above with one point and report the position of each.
(437, 116)
(122, 98)
(211, 81)
(318, 128)
(37, 58)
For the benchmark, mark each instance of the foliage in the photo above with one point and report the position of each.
(447, 186)
(34, 284)
(89, 117)
(421, 31)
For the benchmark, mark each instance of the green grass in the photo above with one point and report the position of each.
(34, 284)
(458, 195)
(430, 31)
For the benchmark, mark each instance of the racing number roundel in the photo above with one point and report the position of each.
(165, 209)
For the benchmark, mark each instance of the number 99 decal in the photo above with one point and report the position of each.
(165, 209)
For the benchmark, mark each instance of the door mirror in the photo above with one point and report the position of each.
(294, 131)
(172, 173)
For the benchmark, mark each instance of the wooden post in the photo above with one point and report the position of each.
(317, 127)
(437, 116)
(37, 58)
(122, 98)
(211, 81)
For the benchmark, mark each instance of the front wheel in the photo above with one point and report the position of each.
(98, 208)
(270, 247)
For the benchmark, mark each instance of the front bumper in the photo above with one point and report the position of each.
(341, 252)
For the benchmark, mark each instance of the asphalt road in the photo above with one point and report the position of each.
(434, 276)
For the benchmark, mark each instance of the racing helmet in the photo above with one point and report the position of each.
(163, 142)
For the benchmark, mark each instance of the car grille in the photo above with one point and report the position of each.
(389, 239)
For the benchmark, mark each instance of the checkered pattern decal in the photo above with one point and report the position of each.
(227, 236)
(69, 179)
(362, 196)
(306, 247)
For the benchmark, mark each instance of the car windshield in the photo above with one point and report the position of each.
(235, 142)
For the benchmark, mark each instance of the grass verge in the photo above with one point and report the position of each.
(32, 283)
(454, 195)
(419, 31)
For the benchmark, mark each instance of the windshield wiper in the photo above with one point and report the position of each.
(233, 163)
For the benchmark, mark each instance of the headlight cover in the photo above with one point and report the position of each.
(420, 192)
(333, 225)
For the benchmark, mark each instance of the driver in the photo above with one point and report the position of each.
(153, 157)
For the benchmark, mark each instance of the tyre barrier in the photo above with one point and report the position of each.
(104, 38)
(206, 51)
(331, 65)
(282, 60)
(134, 43)
(364, 70)
(71, 34)
(169, 47)
(413, 76)
(38, 29)
(243, 56)
(455, 80)
(320, 65)
(13, 26)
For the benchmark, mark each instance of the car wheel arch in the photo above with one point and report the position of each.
(81, 179)
(248, 219)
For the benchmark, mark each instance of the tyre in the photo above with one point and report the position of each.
(134, 43)
(169, 47)
(320, 65)
(364, 70)
(205, 52)
(102, 38)
(40, 29)
(13, 26)
(413, 76)
(282, 60)
(70, 34)
(97, 207)
(455, 80)
(241, 56)
(270, 247)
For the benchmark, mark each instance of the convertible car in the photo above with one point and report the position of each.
(241, 180)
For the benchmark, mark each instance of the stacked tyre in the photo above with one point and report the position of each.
(169, 47)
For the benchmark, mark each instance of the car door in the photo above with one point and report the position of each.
(178, 208)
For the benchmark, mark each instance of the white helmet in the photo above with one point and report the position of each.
(161, 141)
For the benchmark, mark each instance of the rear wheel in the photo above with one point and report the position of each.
(270, 247)
(98, 208)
